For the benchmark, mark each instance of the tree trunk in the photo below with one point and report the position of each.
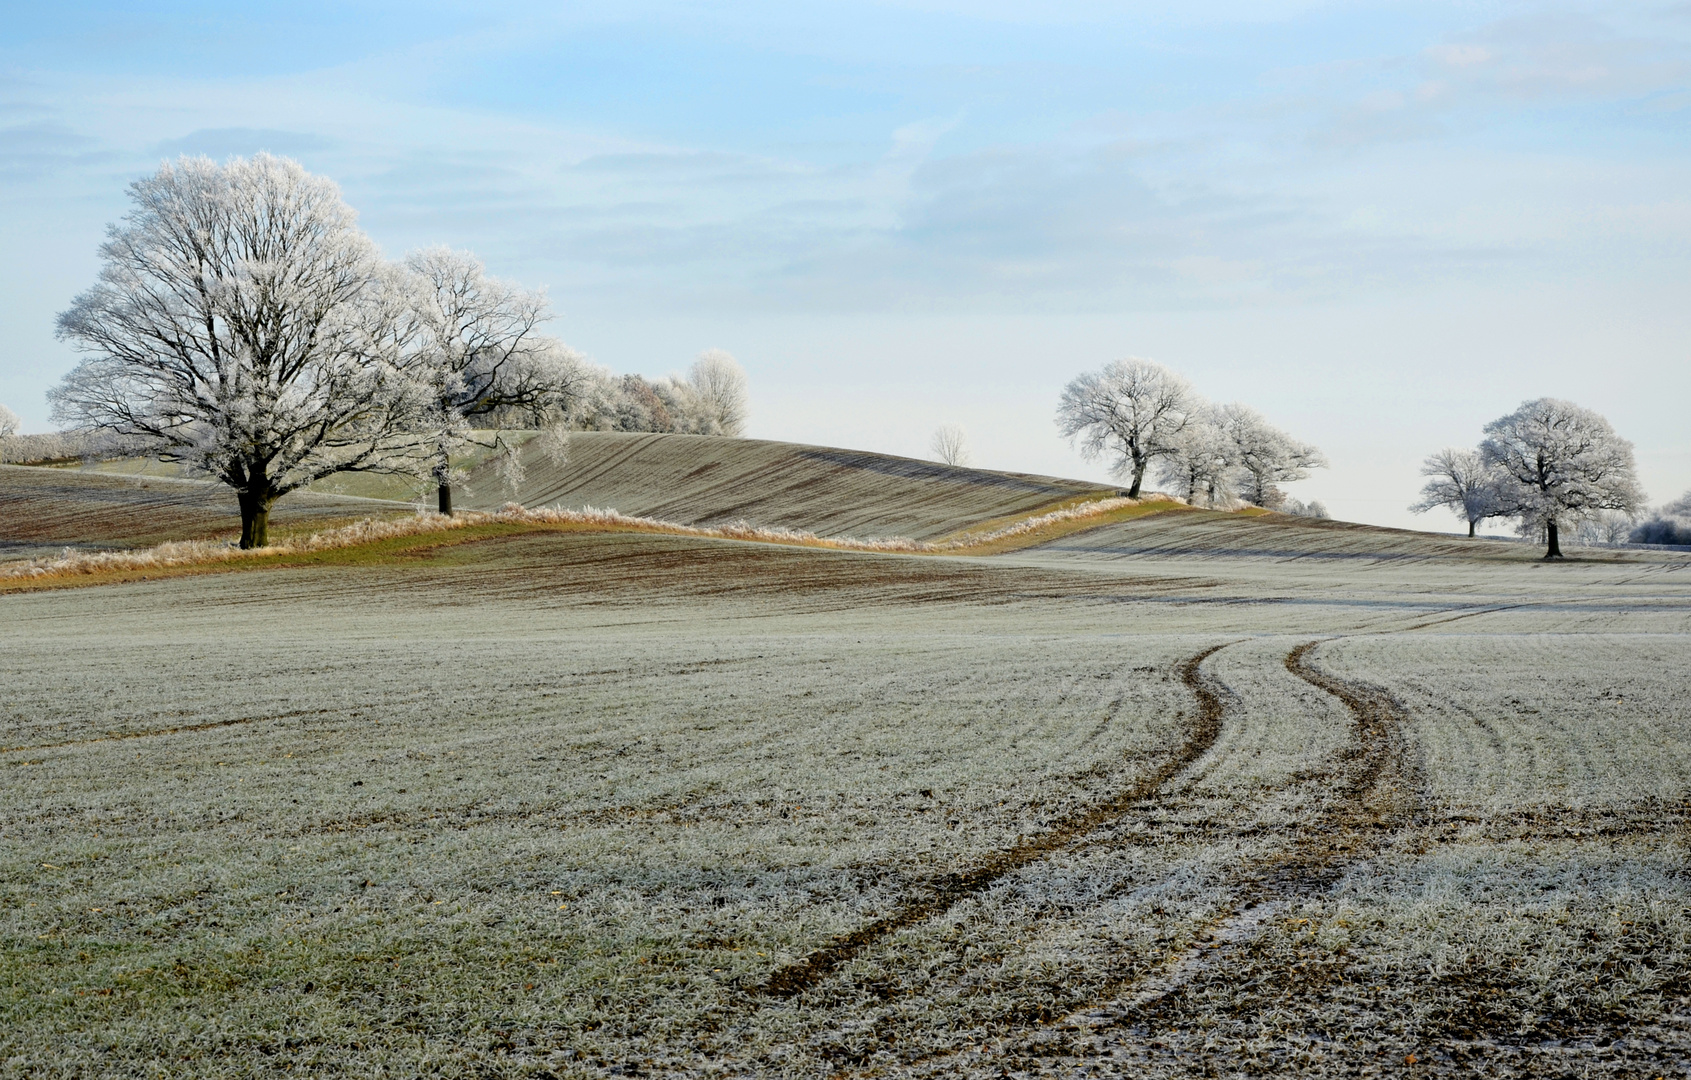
(1555, 551)
(443, 480)
(255, 516)
(1471, 524)
(1138, 478)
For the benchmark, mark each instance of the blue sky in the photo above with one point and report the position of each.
(1381, 224)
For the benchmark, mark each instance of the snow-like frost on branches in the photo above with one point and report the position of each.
(1562, 464)
(1264, 456)
(1132, 413)
(1201, 468)
(1136, 413)
(243, 326)
(478, 350)
(1462, 481)
(718, 383)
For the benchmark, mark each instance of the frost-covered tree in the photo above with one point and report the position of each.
(642, 405)
(631, 402)
(9, 422)
(244, 326)
(1264, 456)
(52, 446)
(718, 383)
(1662, 530)
(1132, 412)
(1606, 527)
(479, 351)
(1200, 470)
(608, 402)
(1562, 464)
(1462, 481)
(950, 444)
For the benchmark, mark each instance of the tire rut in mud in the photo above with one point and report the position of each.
(1374, 795)
(1374, 785)
(1374, 798)
(945, 892)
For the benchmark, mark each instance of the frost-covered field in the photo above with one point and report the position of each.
(587, 805)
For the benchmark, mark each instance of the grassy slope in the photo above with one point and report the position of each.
(1210, 535)
(706, 481)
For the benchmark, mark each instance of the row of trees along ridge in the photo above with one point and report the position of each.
(245, 327)
(1138, 414)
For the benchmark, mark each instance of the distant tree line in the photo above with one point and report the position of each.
(1552, 466)
(710, 400)
(246, 328)
(1137, 415)
(58, 447)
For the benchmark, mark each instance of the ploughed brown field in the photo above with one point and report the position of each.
(43, 511)
(1188, 794)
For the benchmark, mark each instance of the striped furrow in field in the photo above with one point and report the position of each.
(704, 480)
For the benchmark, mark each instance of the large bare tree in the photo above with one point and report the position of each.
(1562, 463)
(9, 422)
(1462, 481)
(1133, 412)
(244, 326)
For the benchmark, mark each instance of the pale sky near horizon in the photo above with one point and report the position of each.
(1380, 224)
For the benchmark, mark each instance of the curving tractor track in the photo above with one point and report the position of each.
(1372, 786)
(942, 894)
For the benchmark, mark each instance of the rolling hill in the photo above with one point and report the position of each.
(707, 480)
(710, 481)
